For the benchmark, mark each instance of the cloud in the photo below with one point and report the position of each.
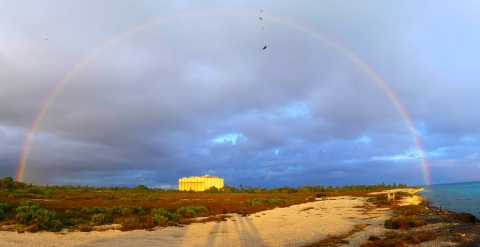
(196, 94)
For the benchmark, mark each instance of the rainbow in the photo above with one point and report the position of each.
(354, 58)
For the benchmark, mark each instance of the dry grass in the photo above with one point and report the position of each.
(60, 202)
(85, 228)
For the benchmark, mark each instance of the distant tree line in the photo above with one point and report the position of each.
(8, 184)
(304, 189)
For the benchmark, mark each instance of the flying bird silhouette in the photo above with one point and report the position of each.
(264, 48)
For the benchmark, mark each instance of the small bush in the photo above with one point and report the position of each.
(149, 222)
(161, 220)
(119, 210)
(44, 218)
(388, 224)
(132, 223)
(193, 211)
(274, 200)
(57, 225)
(404, 223)
(158, 212)
(5, 206)
(35, 190)
(85, 228)
(98, 219)
(31, 212)
(126, 199)
(188, 212)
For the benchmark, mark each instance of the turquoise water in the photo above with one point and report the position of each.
(458, 197)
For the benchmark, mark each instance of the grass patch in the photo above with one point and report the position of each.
(409, 210)
(405, 217)
(404, 222)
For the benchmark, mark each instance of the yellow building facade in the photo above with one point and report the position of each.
(202, 183)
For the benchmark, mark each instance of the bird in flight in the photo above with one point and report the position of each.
(265, 47)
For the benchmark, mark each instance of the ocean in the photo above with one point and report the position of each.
(457, 197)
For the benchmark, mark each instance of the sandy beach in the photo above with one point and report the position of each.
(291, 226)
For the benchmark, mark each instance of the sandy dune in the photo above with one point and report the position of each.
(291, 226)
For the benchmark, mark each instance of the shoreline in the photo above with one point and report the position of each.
(433, 204)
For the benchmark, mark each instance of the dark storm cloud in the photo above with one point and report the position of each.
(197, 94)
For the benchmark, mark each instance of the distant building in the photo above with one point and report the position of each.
(202, 183)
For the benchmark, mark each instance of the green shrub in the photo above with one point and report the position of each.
(5, 206)
(31, 212)
(44, 218)
(388, 224)
(192, 211)
(157, 213)
(49, 191)
(125, 199)
(56, 225)
(161, 220)
(120, 210)
(257, 202)
(98, 219)
(35, 190)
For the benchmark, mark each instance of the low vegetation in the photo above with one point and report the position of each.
(27, 207)
(394, 239)
(405, 217)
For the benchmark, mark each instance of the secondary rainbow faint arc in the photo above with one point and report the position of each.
(354, 58)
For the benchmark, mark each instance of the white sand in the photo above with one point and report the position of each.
(290, 226)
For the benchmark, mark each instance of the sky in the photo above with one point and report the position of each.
(122, 93)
